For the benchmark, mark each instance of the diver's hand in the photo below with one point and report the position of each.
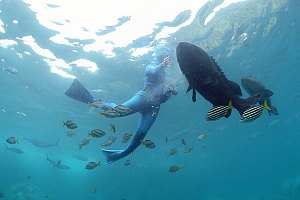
(172, 90)
(166, 61)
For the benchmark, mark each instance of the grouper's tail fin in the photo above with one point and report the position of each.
(243, 104)
(111, 155)
(273, 110)
(78, 92)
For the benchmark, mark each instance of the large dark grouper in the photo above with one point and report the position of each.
(207, 78)
(253, 87)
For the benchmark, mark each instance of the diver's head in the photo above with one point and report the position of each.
(161, 52)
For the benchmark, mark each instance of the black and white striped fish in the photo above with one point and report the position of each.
(254, 112)
(96, 133)
(69, 124)
(126, 137)
(218, 112)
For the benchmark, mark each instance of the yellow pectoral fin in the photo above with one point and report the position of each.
(230, 106)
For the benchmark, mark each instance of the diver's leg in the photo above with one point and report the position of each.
(146, 121)
(135, 104)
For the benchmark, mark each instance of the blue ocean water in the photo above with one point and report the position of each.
(255, 161)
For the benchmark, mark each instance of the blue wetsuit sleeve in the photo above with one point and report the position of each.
(152, 69)
(165, 97)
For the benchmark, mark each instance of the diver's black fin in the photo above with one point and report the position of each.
(78, 92)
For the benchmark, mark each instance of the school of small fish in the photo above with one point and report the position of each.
(96, 134)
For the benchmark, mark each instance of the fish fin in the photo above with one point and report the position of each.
(269, 112)
(194, 96)
(108, 155)
(189, 88)
(230, 106)
(78, 92)
(235, 88)
(268, 93)
(274, 110)
(243, 104)
(266, 106)
(64, 123)
(47, 158)
(3, 69)
(5, 146)
(228, 113)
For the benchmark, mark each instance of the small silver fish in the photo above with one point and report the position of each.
(148, 144)
(13, 149)
(12, 140)
(96, 133)
(71, 133)
(69, 124)
(80, 157)
(187, 149)
(202, 136)
(84, 142)
(60, 166)
(109, 141)
(127, 163)
(53, 162)
(172, 151)
(126, 137)
(175, 168)
(96, 104)
(112, 128)
(122, 109)
(92, 165)
(10, 70)
(110, 113)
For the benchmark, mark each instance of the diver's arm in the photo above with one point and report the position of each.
(155, 68)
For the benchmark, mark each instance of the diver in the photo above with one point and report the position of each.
(147, 102)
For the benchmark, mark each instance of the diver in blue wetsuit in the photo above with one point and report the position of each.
(147, 102)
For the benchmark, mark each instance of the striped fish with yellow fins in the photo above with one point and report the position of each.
(254, 112)
(218, 112)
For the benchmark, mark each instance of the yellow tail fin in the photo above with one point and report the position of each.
(230, 106)
(266, 106)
